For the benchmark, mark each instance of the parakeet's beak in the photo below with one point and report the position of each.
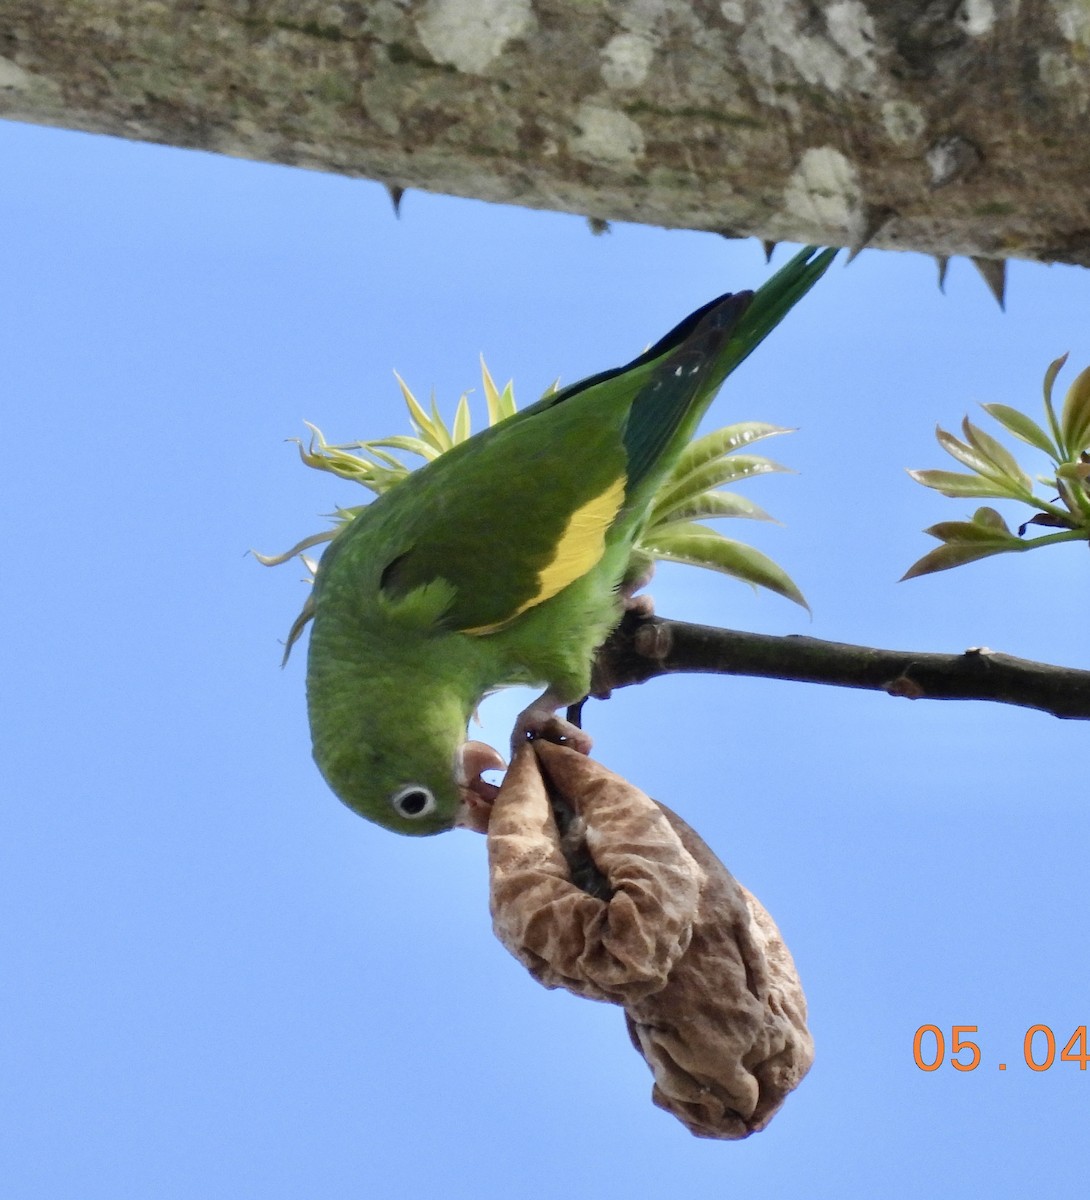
(477, 793)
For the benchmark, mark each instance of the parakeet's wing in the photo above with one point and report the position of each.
(508, 520)
(476, 528)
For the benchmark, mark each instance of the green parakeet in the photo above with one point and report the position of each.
(506, 560)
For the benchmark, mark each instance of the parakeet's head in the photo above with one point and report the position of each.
(409, 773)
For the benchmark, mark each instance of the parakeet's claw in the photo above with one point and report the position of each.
(474, 812)
(642, 605)
(539, 720)
(477, 794)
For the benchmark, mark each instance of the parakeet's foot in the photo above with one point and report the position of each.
(476, 793)
(539, 720)
(642, 605)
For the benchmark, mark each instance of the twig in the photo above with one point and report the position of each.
(642, 648)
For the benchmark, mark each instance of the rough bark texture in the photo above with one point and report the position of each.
(939, 126)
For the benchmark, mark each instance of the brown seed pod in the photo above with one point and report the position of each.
(628, 905)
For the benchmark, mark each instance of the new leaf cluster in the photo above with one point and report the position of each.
(993, 472)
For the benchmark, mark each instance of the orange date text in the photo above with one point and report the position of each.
(1039, 1048)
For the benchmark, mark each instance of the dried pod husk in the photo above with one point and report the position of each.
(656, 924)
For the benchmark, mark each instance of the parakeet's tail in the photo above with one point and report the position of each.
(694, 358)
(771, 303)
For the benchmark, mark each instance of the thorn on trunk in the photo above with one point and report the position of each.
(395, 193)
(994, 273)
(874, 218)
(943, 261)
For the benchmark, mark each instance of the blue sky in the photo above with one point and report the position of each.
(218, 982)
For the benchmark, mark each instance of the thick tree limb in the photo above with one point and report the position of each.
(946, 127)
(645, 647)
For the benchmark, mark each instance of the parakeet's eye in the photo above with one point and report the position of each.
(413, 801)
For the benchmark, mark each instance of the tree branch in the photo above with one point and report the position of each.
(642, 648)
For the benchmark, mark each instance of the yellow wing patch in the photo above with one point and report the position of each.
(580, 547)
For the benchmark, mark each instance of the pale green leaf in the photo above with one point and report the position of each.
(274, 560)
(343, 515)
(501, 405)
(1054, 369)
(954, 483)
(317, 441)
(966, 541)
(337, 461)
(965, 454)
(462, 423)
(708, 505)
(990, 519)
(491, 395)
(347, 448)
(297, 626)
(942, 558)
(1003, 462)
(381, 480)
(1075, 416)
(419, 418)
(439, 429)
(382, 457)
(410, 445)
(1022, 427)
(507, 400)
(975, 533)
(723, 441)
(699, 546)
(681, 487)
